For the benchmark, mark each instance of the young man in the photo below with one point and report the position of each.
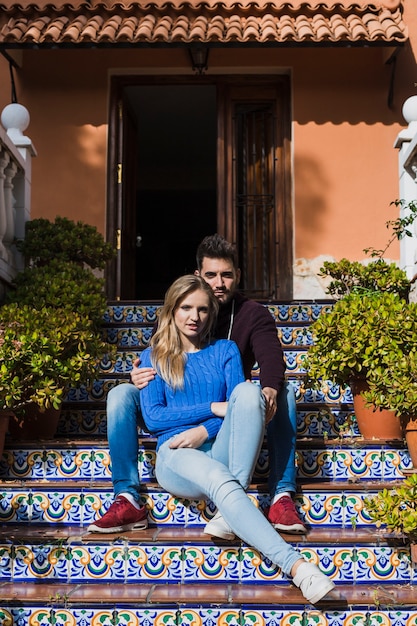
(251, 326)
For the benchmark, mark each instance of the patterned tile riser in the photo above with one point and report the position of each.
(328, 421)
(139, 337)
(148, 313)
(81, 506)
(92, 463)
(125, 562)
(122, 363)
(330, 394)
(202, 616)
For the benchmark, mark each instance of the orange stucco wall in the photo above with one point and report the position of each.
(345, 165)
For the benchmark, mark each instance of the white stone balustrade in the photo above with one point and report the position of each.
(16, 152)
(406, 142)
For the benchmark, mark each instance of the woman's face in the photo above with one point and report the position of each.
(191, 317)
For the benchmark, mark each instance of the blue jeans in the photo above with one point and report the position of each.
(282, 439)
(124, 416)
(221, 470)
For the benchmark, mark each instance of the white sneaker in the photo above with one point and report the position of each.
(217, 527)
(314, 585)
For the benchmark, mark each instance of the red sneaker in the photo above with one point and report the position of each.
(122, 515)
(284, 516)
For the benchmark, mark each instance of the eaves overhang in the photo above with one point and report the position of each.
(81, 23)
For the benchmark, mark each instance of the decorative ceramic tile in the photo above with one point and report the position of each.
(354, 509)
(315, 464)
(336, 562)
(211, 564)
(56, 506)
(6, 563)
(94, 562)
(272, 617)
(295, 336)
(83, 422)
(202, 616)
(132, 314)
(167, 509)
(14, 506)
(294, 361)
(382, 564)
(256, 568)
(40, 562)
(324, 508)
(159, 563)
(132, 337)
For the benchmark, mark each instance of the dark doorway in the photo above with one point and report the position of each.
(187, 159)
(176, 137)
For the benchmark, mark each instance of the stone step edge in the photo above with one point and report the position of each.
(319, 485)
(344, 597)
(176, 534)
(303, 442)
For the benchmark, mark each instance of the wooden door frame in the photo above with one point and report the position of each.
(226, 87)
(255, 88)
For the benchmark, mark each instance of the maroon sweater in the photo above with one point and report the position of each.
(254, 331)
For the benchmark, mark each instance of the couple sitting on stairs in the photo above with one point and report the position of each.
(190, 393)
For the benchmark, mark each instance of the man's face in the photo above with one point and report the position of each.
(222, 277)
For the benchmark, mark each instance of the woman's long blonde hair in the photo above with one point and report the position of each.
(168, 356)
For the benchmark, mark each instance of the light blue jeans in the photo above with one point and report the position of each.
(124, 416)
(221, 471)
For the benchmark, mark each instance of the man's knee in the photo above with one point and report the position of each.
(124, 396)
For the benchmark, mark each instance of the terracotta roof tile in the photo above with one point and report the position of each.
(283, 21)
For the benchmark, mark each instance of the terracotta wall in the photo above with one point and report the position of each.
(345, 166)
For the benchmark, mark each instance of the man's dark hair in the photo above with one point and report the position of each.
(216, 247)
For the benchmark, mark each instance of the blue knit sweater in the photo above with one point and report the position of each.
(210, 375)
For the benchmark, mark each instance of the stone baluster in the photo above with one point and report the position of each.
(4, 161)
(8, 239)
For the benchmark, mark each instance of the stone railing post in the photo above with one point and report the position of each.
(406, 142)
(16, 152)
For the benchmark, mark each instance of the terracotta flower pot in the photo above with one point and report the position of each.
(34, 424)
(409, 424)
(374, 423)
(4, 427)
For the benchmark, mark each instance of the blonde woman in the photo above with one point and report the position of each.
(209, 436)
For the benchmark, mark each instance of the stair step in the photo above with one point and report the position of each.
(325, 503)
(52, 571)
(343, 458)
(188, 556)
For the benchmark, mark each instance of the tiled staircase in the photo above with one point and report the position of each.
(54, 573)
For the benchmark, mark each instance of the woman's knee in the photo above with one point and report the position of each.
(249, 395)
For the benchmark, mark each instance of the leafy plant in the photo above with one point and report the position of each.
(378, 275)
(355, 277)
(399, 226)
(396, 508)
(61, 284)
(64, 240)
(50, 336)
(394, 386)
(361, 337)
(41, 351)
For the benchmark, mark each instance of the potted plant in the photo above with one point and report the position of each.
(396, 508)
(50, 325)
(359, 339)
(355, 344)
(395, 385)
